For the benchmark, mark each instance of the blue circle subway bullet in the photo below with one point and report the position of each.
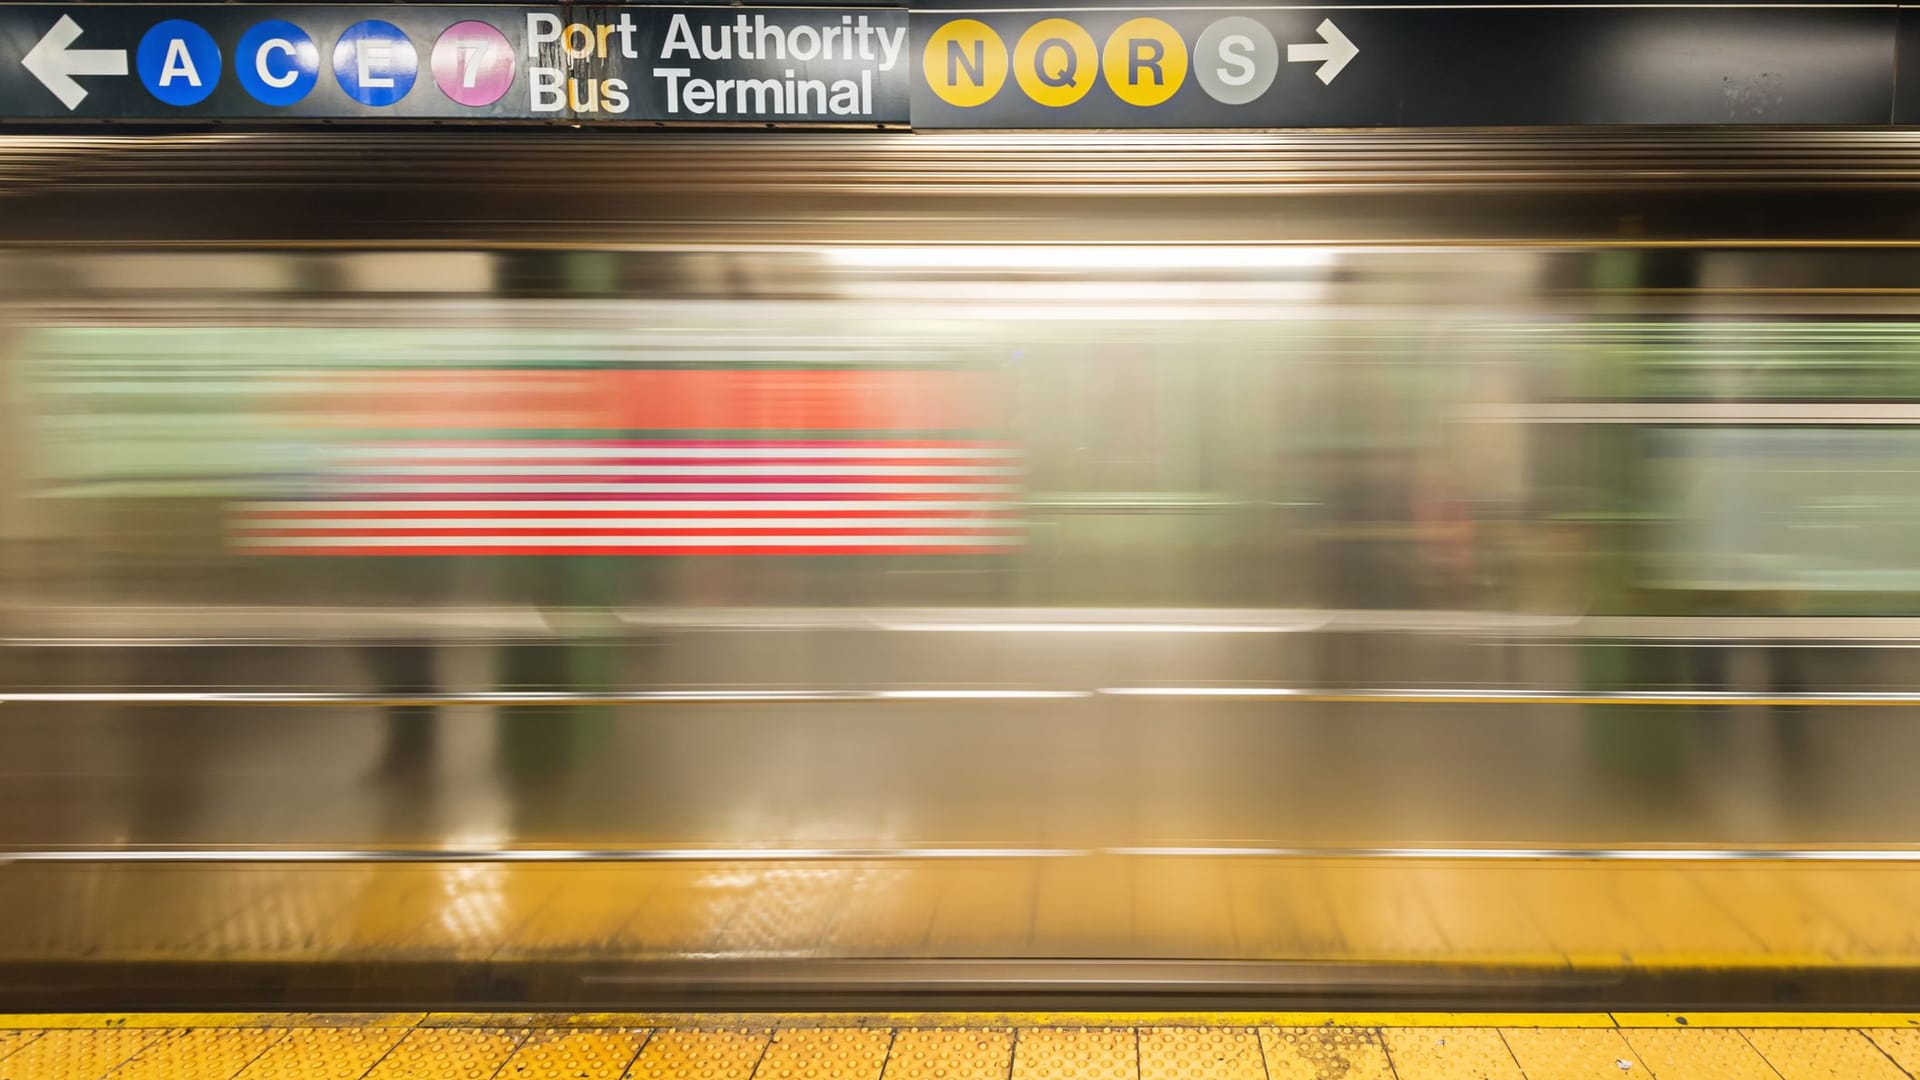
(375, 63)
(178, 62)
(277, 62)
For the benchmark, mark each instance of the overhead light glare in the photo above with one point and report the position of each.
(1117, 257)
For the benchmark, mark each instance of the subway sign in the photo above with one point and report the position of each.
(1415, 65)
(561, 63)
(1015, 66)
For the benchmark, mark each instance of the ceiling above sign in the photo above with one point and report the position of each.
(1019, 65)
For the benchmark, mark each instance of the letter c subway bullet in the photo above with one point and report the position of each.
(277, 63)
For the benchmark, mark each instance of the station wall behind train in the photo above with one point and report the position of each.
(1018, 65)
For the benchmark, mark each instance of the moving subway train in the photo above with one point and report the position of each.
(558, 569)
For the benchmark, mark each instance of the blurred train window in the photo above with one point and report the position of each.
(1182, 428)
(156, 444)
(1787, 509)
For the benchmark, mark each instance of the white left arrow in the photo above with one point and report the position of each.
(1334, 49)
(55, 65)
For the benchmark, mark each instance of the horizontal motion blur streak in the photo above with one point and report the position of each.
(819, 854)
(1897, 699)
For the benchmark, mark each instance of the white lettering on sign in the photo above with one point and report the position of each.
(580, 40)
(553, 89)
(556, 47)
(548, 87)
(375, 53)
(679, 37)
(542, 29)
(1236, 51)
(758, 98)
(285, 78)
(178, 65)
(855, 38)
(471, 55)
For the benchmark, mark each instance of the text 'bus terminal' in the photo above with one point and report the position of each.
(847, 39)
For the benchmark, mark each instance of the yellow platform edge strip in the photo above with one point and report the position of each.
(62, 1021)
(1622, 960)
(1768, 1020)
(936, 1020)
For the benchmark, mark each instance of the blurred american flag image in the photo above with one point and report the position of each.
(650, 462)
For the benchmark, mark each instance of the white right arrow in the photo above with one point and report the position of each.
(1336, 51)
(55, 65)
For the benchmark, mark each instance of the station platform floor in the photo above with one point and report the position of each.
(1279, 1046)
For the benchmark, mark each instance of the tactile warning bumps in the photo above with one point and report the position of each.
(573, 1055)
(826, 1054)
(1450, 1054)
(76, 1053)
(700, 1055)
(1698, 1054)
(356, 1050)
(1900, 1044)
(199, 1054)
(14, 1040)
(950, 1054)
(1572, 1053)
(1822, 1054)
(1200, 1053)
(333, 1053)
(1075, 1054)
(448, 1054)
(1325, 1052)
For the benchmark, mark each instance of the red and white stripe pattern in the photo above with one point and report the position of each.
(639, 497)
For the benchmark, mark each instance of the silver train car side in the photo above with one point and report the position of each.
(883, 498)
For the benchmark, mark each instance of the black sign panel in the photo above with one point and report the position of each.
(1014, 65)
(563, 62)
(1405, 66)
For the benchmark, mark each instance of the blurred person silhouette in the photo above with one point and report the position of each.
(402, 669)
(1444, 527)
(543, 750)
